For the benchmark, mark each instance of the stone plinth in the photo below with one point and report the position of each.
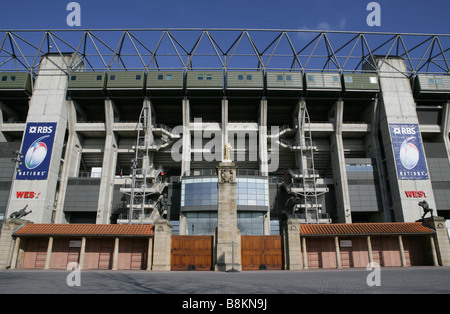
(227, 235)
(162, 245)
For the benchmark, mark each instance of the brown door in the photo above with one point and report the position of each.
(191, 252)
(106, 253)
(377, 250)
(36, 253)
(314, 249)
(346, 257)
(261, 251)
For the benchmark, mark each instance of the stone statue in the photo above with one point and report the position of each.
(227, 152)
(21, 213)
(426, 208)
(164, 205)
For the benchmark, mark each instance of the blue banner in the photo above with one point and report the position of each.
(36, 151)
(408, 152)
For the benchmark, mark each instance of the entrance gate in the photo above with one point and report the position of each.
(261, 252)
(191, 253)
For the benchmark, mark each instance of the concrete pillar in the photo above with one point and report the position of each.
(338, 253)
(106, 190)
(72, 158)
(263, 155)
(186, 157)
(369, 249)
(402, 251)
(116, 254)
(440, 242)
(228, 234)
(433, 251)
(82, 252)
(150, 254)
(224, 126)
(293, 247)
(7, 242)
(398, 119)
(15, 254)
(162, 245)
(343, 208)
(304, 254)
(47, 105)
(49, 253)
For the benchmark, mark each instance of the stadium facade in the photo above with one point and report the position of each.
(314, 130)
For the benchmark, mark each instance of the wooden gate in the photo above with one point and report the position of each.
(191, 253)
(261, 252)
(36, 253)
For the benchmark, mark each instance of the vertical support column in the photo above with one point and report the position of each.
(369, 249)
(186, 157)
(82, 252)
(108, 169)
(228, 234)
(150, 253)
(72, 157)
(262, 132)
(293, 247)
(162, 245)
(15, 253)
(304, 253)
(433, 251)
(116, 254)
(224, 126)
(49, 253)
(338, 253)
(343, 207)
(402, 251)
(399, 125)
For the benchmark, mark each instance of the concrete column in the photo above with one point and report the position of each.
(7, 243)
(116, 254)
(49, 253)
(108, 168)
(15, 254)
(398, 107)
(343, 207)
(186, 157)
(162, 245)
(262, 132)
(47, 105)
(305, 254)
(228, 233)
(72, 158)
(369, 249)
(402, 251)
(293, 247)
(82, 252)
(433, 251)
(338, 253)
(224, 126)
(150, 253)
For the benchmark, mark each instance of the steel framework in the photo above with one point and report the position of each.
(223, 49)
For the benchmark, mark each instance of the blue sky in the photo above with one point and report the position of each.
(429, 16)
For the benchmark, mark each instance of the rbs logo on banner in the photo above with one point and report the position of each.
(408, 151)
(37, 150)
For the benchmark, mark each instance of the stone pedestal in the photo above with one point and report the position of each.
(8, 245)
(293, 250)
(228, 236)
(162, 245)
(441, 239)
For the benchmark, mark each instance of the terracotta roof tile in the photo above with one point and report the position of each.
(84, 230)
(364, 229)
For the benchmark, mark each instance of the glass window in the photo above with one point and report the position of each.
(72, 78)
(99, 77)
(279, 77)
(160, 77)
(200, 77)
(288, 78)
(13, 78)
(249, 77)
(251, 223)
(201, 223)
(208, 77)
(310, 78)
(168, 77)
(240, 77)
(431, 81)
(349, 79)
(112, 77)
(138, 77)
(335, 79)
(439, 81)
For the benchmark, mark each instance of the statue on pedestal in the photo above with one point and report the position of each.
(21, 213)
(227, 152)
(426, 208)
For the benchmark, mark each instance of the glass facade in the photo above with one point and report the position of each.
(252, 192)
(199, 202)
